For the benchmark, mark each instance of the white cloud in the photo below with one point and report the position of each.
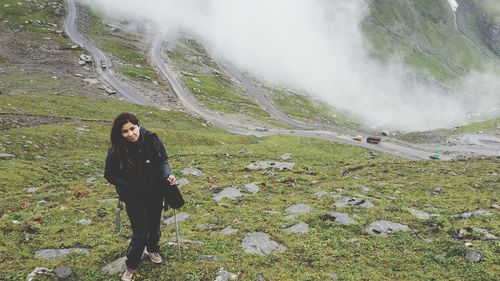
(314, 46)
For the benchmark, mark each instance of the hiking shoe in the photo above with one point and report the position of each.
(128, 275)
(154, 257)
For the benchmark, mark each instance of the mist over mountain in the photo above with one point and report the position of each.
(319, 47)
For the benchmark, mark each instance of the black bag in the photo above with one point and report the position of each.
(172, 196)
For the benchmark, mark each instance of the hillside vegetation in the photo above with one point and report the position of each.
(423, 34)
(63, 161)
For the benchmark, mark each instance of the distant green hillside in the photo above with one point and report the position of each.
(422, 33)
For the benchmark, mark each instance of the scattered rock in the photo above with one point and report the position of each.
(224, 275)
(109, 200)
(50, 254)
(320, 194)
(182, 216)
(6, 156)
(437, 191)
(495, 206)
(467, 215)
(301, 227)
(229, 230)
(260, 243)
(228, 192)
(474, 256)
(91, 180)
(63, 272)
(91, 81)
(341, 218)
(263, 165)
(299, 208)
(475, 233)
(210, 258)
(116, 266)
(286, 156)
(191, 171)
(196, 80)
(84, 222)
(252, 187)
(31, 189)
(358, 202)
(422, 215)
(334, 277)
(384, 228)
(39, 271)
(182, 182)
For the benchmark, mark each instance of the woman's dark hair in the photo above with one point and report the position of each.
(118, 143)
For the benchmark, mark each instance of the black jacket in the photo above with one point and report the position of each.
(143, 181)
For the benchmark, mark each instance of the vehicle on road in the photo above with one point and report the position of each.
(374, 140)
(358, 138)
(435, 156)
(103, 65)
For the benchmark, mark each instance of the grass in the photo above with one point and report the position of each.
(304, 108)
(395, 185)
(216, 92)
(489, 126)
(423, 35)
(121, 45)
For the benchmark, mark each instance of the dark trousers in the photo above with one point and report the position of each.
(145, 220)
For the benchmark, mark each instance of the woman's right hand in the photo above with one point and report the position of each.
(171, 180)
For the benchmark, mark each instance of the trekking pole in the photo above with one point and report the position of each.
(117, 216)
(177, 235)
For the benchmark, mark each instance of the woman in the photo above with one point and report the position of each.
(137, 164)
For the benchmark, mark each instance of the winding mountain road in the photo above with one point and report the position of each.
(388, 145)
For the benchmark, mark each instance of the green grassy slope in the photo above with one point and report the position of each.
(423, 34)
(71, 156)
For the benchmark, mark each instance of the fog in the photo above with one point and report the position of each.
(315, 47)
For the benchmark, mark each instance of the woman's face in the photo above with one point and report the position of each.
(130, 132)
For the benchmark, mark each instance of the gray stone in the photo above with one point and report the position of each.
(357, 202)
(252, 187)
(50, 254)
(467, 215)
(384, 228)
(474, 256)
(6, 156)
(182, 216)
(224, 275)
(196, 80)
(182, 182)
(320, 194)
(210, 258)
(260, 243)
(495, 206)
(301, 227)
(39, 271)
(63, 272)
(292, 216)
(82, 130)
(229, 230)
(286, 156)
(341, 218)
(437, 191)
(116, 266)
(41, 202)
(334, 277)
(31, 189)
(91, 180)
(191, 171)
(422, 215)
(263, 165)
(299, 208)
(84, 222)
(91, 81)
(109, 200)
(228, 192)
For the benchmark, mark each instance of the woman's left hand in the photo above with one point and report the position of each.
(171, 180)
